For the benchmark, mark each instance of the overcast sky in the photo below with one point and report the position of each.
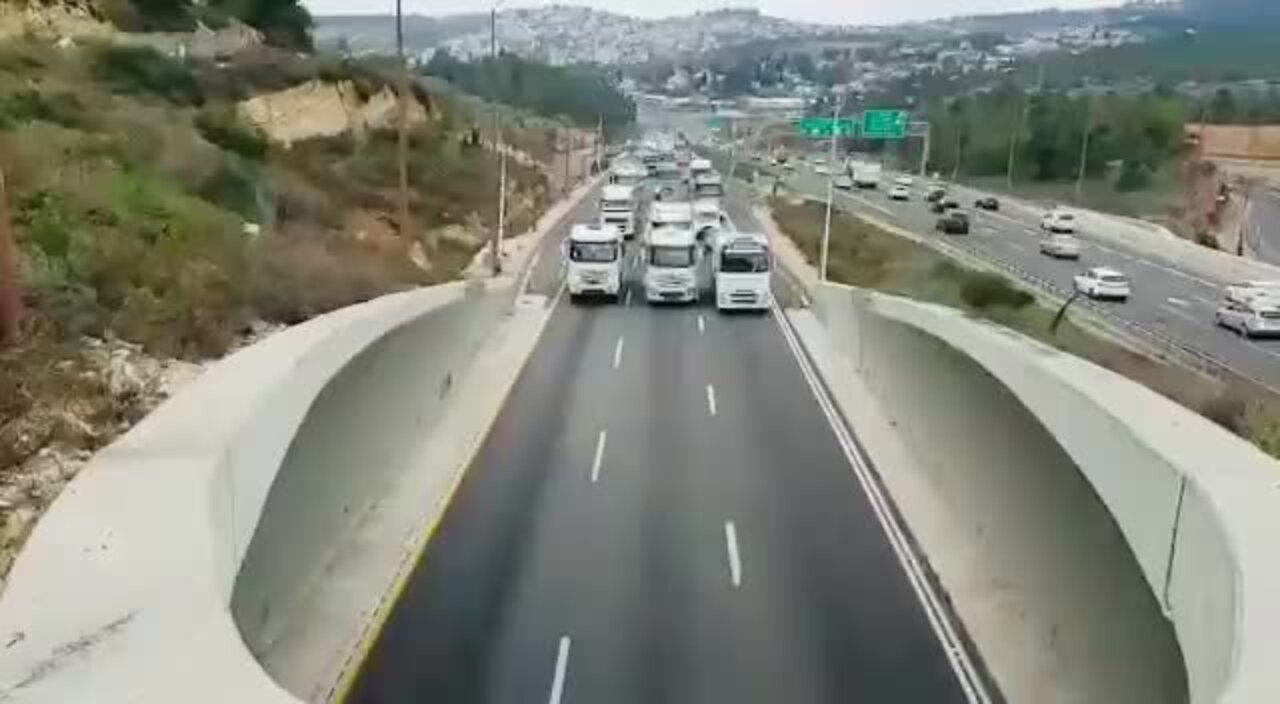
(832, 11)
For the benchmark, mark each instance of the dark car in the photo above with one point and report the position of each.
(950, 203)
(955, 222)
(937, 207)
(987, 203)
(935, 195)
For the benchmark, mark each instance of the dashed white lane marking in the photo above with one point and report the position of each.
(702, 324)
(628, 301)
(1178, 312)
(617, 352)
(1179, 302)
(601, 441)
(711, 399)
(1206, 301)
(1263, 350)
(562, 665)
(735, 560)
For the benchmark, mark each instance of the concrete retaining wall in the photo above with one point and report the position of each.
(104, 606)
(1110, 503)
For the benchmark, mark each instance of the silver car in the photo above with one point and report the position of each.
(1254, 318)
(1060, 247)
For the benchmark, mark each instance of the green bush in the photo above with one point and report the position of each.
(144, 71)
(29, 105)
(984, 290)
(223, 128)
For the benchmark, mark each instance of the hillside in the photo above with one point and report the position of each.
(563, 34)
(161, 221)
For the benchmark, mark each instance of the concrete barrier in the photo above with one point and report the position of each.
(179, 547)
(1109, 505)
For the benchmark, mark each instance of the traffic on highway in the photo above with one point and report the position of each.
(666, 508)
(1049, 250)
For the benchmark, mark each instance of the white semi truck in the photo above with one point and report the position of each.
(672, 265)
(700, 167)
(741, 268)
(593, 256)
(618, 209)
(708, 186)
(865, 174)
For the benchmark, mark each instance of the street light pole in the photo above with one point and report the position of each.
(496, 248)
(1084, 150)
(826, 226)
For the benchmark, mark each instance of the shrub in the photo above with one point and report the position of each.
(984, 290)
(223, 128)
(1226, 409)
(31, 105)
(144, 71)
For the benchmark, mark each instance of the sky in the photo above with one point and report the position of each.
(827, 11)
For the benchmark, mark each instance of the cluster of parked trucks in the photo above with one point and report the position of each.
(685, 244)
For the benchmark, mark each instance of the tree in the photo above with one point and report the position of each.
(284, 23)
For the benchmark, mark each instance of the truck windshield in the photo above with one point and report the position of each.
(593, 252)
(744, 262)
(671, 257)
(708, 191)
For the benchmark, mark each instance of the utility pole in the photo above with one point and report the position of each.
(826, 226)
(402, 128)
(10, 287)
(1024, 107)
(1084, 150)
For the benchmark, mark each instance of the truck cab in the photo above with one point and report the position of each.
(700, 167)
(708, 219)
(742, 268)
(672, 262)
(708, 186)
(618, 209)
(677, 214)
(628, 173)
(593, 257)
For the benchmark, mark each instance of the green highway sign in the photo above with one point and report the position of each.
(884, 124)
(715, 122)
(826, 127)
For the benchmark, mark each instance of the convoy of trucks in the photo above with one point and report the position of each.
(687, 247)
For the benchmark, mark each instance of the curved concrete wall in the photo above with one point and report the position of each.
(1194, 508)
(103, 606)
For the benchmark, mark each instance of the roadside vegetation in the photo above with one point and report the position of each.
(867, 256)
(156, 230)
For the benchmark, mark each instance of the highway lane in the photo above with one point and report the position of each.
(1165, 300)
(661, 513)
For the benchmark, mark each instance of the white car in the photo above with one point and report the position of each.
(1247, 290)
(1101, 282)
(1060, 246)
(1058, 221)
(1251, 319)
(821, 170)
(905, 181)
(899, 193)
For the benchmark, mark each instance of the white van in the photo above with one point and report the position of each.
(618, 209)
(742, 269)
(672, 261)
(707, 216)
(708, 187)
(593, 256)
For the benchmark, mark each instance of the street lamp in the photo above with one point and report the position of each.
(831, 166)
(402, 126)
(496, 245)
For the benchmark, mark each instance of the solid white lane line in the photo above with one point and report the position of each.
(617, 352)
(562, 664)
(628, 301)
(711, 399)
(961, 664)
(702, 323)
(735, 560)
(1262, 349)
(601, 441)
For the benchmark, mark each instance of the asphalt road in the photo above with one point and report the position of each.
(1171, 302)
(661, 513)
